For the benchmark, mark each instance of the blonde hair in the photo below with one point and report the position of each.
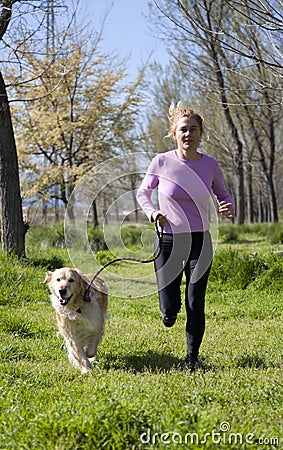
(180, 110)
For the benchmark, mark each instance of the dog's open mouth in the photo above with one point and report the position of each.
(65, 300)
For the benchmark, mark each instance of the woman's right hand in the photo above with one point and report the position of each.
(160, 217)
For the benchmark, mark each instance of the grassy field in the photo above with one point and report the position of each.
(138, 396)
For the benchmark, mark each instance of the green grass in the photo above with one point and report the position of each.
(138, 396)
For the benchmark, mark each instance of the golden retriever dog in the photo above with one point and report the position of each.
(80, 320)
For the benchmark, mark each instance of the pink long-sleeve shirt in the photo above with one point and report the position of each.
(184, 190)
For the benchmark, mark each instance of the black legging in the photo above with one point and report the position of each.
(190, 253)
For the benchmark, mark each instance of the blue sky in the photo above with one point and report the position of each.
(126, 31)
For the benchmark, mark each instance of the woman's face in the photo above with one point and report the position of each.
(187, 134)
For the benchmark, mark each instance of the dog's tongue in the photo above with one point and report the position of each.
(63, 301)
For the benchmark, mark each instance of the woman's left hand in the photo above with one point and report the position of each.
(226, 209)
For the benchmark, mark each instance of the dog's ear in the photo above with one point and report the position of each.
(81, 282)
(48, 277)
(84, 281)
(79, 272)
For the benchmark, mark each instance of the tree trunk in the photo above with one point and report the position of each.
(94, 214)
(56, 210)
(250, 194)
(235, 135)
(267, 171)
(13, 229)
(260, 208)
(274, 208)
(136, 205)
(70, 212)
(44, 212)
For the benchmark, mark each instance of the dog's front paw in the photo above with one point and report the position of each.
(85, 370)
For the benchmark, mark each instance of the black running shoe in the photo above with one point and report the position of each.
(168, 321)
(191, 364)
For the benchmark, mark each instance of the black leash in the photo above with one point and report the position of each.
(159, 233)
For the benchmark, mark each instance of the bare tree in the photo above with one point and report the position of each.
(13, 228)
(233, 49)
(194, 29)
(267, 16)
